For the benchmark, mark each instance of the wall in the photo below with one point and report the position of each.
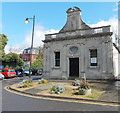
(104, 70)
(116, 61)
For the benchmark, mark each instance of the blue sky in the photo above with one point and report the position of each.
(49, 16)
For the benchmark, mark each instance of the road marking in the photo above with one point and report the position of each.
(62, 100)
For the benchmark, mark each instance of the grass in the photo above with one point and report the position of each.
(72, 92)
(95, 94)
(34, 84)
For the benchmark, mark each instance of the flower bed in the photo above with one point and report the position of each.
(67, 89)
(71, 91)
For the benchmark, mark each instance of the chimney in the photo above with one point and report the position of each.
(74, 20)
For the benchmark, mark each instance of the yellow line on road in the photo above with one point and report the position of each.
(63, 100)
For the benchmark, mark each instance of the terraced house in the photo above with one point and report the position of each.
(79, 49)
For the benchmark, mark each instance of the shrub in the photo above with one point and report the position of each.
(42, 81)
(25, 83)
(76, 82)
(57, 89)
(84, 86)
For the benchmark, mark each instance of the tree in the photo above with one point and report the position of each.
(38, 64)
(3, 43)
(12, 60)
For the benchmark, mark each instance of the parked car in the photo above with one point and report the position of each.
(18, 72)
(8, 73)
(26, 72)
(2, 76)
(37, 72)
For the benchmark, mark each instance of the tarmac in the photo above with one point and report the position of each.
(110, 96)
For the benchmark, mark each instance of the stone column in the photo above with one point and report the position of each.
(82, 58)
(104, 57)
(64, 62)
(109, 58)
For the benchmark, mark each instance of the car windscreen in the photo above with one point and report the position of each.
(4, 70)
(11, 70)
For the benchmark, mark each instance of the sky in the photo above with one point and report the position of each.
(50, 17)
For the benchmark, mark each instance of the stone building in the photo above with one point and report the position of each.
(79, 49)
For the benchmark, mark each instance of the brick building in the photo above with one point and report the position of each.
(26, 56)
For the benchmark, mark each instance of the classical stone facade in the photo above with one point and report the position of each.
(79, 49)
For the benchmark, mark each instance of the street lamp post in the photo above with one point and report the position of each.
(27, 21)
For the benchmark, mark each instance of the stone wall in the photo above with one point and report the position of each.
(104, 70)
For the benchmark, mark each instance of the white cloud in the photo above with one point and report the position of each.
(114, 25)
(112, 21)
(15, 49)
(39, 35)
(40, 32)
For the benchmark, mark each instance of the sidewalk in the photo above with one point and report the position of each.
(111, 94)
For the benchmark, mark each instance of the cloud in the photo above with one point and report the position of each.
(40, 32)
(112, 21)
(39, 35)
(114, 25)
(15, 49)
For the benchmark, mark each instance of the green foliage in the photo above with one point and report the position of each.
(42, 81)
(25, 83)
(38, 64)
(3, 43)
(84, 87)
(40, 50)
(76, 82)
(12, 60)
(57, 89)
(26, 67)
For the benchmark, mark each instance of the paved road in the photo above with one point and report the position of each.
(14, 102)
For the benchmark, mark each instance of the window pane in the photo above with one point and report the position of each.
(57, 55)
(57, 63)
(57, 58)
(93, 64)
(93, 53)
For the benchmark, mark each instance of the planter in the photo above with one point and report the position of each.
(84, 91)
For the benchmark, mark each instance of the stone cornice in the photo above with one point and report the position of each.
(79, 37)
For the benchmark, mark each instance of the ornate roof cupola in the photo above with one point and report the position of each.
(74, 21)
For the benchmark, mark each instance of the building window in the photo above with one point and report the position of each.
(57, 59)
(35, 57)
(93, 57)
(26, 52)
